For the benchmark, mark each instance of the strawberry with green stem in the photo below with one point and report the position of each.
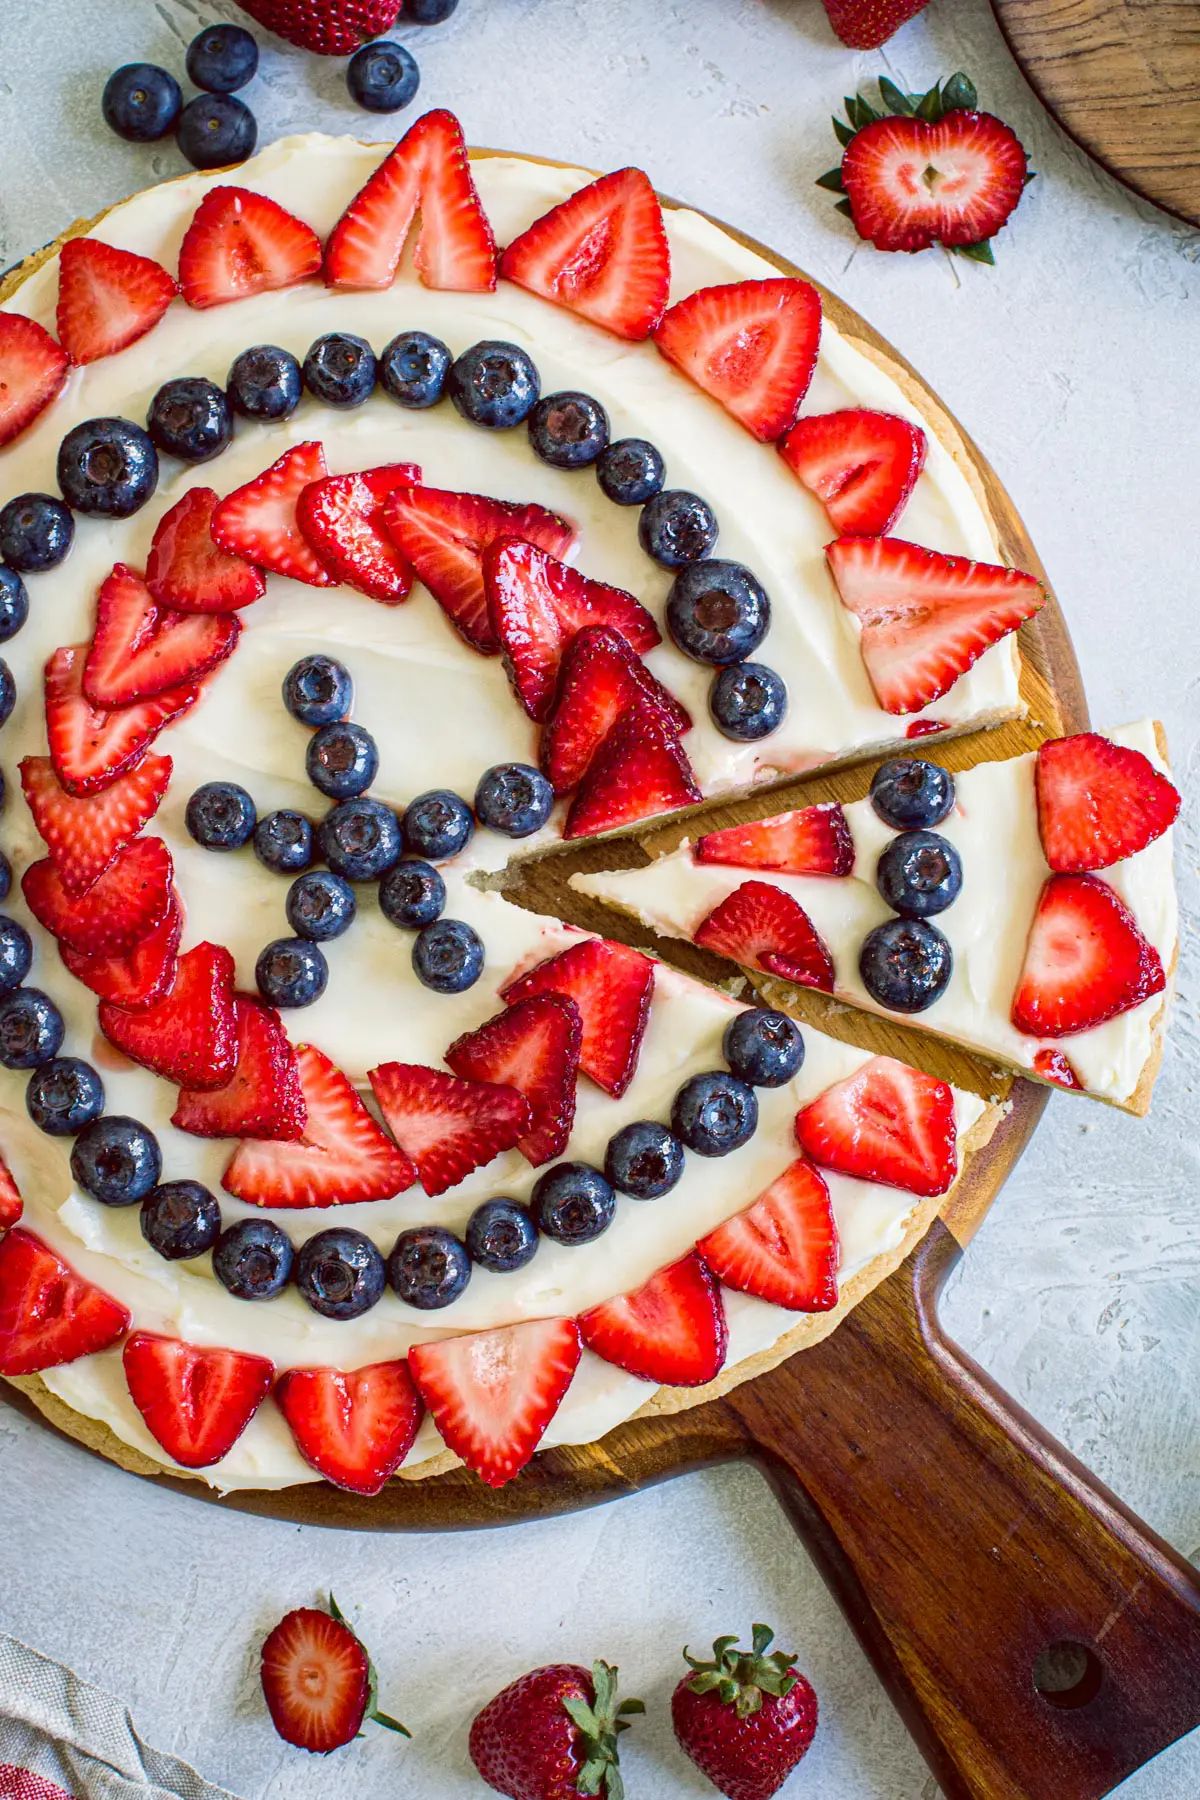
(745, 1718)
(553, 1734)
(318, 1681)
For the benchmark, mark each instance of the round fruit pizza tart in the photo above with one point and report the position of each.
(371, 522)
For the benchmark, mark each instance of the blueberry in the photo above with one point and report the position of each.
(291, 972)
(317, 690)
(180, 1219)
(342, 760)
(427, 12)
(717, 612)
(568, 430)
(16, 953)
(360, 839)
(763, 1047)
(493, 384)
(222, 58)
(501, 1236)
(264, 383)
(340, 369)
(448, 956)
(283, 842)
(190, 418)
(911, 794)
(215, 130)
(253, 1259)
(141, 102)
(14, 602)
(644, 1160)
(714, 1114)
(8, 692)
(31, 1029)
(36, 531)
(220, 816)
(437, 825)
(905, 965)
(919, 874)
(630, 472)
(412, 894)
(5, 876)
(340, 1273)
(428, 1267)
(747, 701)
(572, 1203)
(676, 527)
(320, 905)
(514, 799)
(116, 1160)
(64, 1095)
(413, 369)
(107, 468)
(382, 77)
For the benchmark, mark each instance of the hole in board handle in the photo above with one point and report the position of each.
(1067, 1674)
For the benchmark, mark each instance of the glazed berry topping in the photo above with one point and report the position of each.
(413, 369)
(190, 418)
(717, 612)
(340, 1273)
(412, 894)
(253, 1259)
(748, 701)
(919, 874)
(36, 531)
(14, 603)
(265, 383)
(320, 905)
(318, 691)
(340, 369)
(283, 842)
(493, 384)
(382, 77)
(342, 760)
(16, 954)
(676, 527)
(428, 1267)
(64, 1095)
(222, 59)
(448, 956)
(180, 1219)
(216, 130)
(911, 795)
(220, 816)
(514, 799)
(437, 825)
(291, 972)
(31, 1029)
(141, 102)
(107, 468)
(8, 692)
(905, 964)
(714, 1114)
(763, 1047)
(572, 1203)
(360, 839)
(116, 1160)
(630, 472)
(568, 430)
(644, 1160)
(501, 1236)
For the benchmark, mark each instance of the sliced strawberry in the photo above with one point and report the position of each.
(813, 840)
(1086, 960)
(886, 1123)
(258, 521)
(443, 535)
(639, 771)
(11, 1204)
(602, 254)
(33, 369)
(612, 986)
(186, 570)
(196, 1403)
(784, 1248)
(120, 909)
(91, 748)
(48, 1313)
(140, 649)
(533, 1047)
(1099, 802)
(671, 1330)
(241, 243)
(317, 1678)
(84, 835)
(910, 182)
(766, 928)
(354, 1427)
(144, 975)
(920, 728)
(1053, 1066)
(599, 677)
(190, 1036)
(342, 518)
(861, 465)
(752, 345)
(925, 617)
(107, 298)
(263, 1097)
(493, 1394)
(447, 1126)
(344, 1157)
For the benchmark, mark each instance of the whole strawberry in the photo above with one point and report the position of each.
(865, 24)
(552, 1735)
(745, 1718)
(330, 27)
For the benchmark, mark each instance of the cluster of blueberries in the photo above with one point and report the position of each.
(906, 963)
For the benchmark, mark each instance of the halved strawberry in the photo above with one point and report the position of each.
(263, 1097)
(910, 182)
(258, 520)
(190, 1036)
(784, 1248)
(128, 901)
(143, 975)
(140, 649)
(443, 535)
(1099, 802)
(920, 728)
(861, 465)
(602, 254)
(89, 747)
(196, 1403)
(766, 928)
(1086, 960)
(752, 345)
(813, 840)
(1053, 1066)
(316, 1679)
(356, 1426)
(48, 1313)
(639, 771)
(671, 1330)
(886, 1123)
(612, 986)
(11, 1204)
(599, 677)
(84, 835)
(186, 570)
(533, 1047)
(241, 243)
(493, 1394)
(925, 616)
(342, 518)
(447, 1126)
(107, 298)
(33, 369)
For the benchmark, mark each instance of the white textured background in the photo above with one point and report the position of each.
(1074, 364)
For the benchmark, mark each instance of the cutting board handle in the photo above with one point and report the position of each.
(1040, 1641)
